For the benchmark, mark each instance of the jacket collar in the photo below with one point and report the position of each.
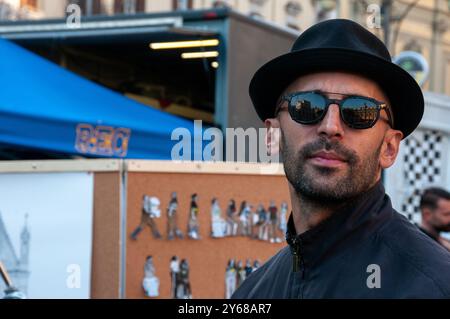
(344, 229)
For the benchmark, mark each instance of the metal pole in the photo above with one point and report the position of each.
(89, 7)
(386, 11)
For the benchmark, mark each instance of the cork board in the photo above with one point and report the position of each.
(208, 256)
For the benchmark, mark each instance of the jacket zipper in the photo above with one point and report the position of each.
(298, 262)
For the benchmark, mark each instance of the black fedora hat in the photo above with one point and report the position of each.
(340, 45)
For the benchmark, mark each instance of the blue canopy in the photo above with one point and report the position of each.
(44, 106)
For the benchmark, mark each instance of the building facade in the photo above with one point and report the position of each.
(422, 26)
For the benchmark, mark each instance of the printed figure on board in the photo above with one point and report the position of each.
(240, 274)
(245, 213)
(283, 218)
(248, 268)
(218, 224)
(230, 279)
(256, 265)
(236, 273)
(193, 222)
(232, 225)
(259, 230)
(150, 282)
(183, 290)
(172, 218)
(265, 227)
(150, 211)
(174, 276)
(254, 222)
(273, 223)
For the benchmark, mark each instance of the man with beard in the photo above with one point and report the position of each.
(341, 109)
(435, 207)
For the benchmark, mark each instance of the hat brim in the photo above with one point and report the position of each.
(402, 90)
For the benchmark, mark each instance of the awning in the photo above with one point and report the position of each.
(44, 106)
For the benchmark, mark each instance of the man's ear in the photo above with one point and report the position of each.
(426, 214)
(273, 135)
(390, 148)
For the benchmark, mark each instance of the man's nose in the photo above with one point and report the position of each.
(331, 125)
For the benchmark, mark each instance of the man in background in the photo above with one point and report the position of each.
(435, 208)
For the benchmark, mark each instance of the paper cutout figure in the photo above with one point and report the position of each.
(184, 286)
(283, 218)
(240, 272)
(232, 225)
(174, 276)
(150, 282)
(218, 224)
(273, 222)
(230, 279)
(245, 213)
(150, 211)
(260, 231)
(193, 223)
(248, 268)
(172, 218)
(265, 227)
(236, 274)
(256, 265)
(254, 222)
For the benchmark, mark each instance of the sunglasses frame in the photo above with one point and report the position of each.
(339, 102)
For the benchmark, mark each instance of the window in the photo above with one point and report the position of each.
(325, 9)
(412, 45)
(89, 7)
(256, 8)
(293, 10)
(182, 4)
(221, 4)
(31, 4)
(129, 6)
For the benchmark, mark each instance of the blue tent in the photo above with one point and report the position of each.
(46, 107)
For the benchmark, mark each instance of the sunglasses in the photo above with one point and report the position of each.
(358, 112)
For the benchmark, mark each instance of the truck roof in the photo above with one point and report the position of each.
(55, 27)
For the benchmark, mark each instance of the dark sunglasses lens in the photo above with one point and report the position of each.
(359, 112)
(307, 108)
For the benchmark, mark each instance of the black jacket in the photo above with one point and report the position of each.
(339, 258)
(423, 230)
